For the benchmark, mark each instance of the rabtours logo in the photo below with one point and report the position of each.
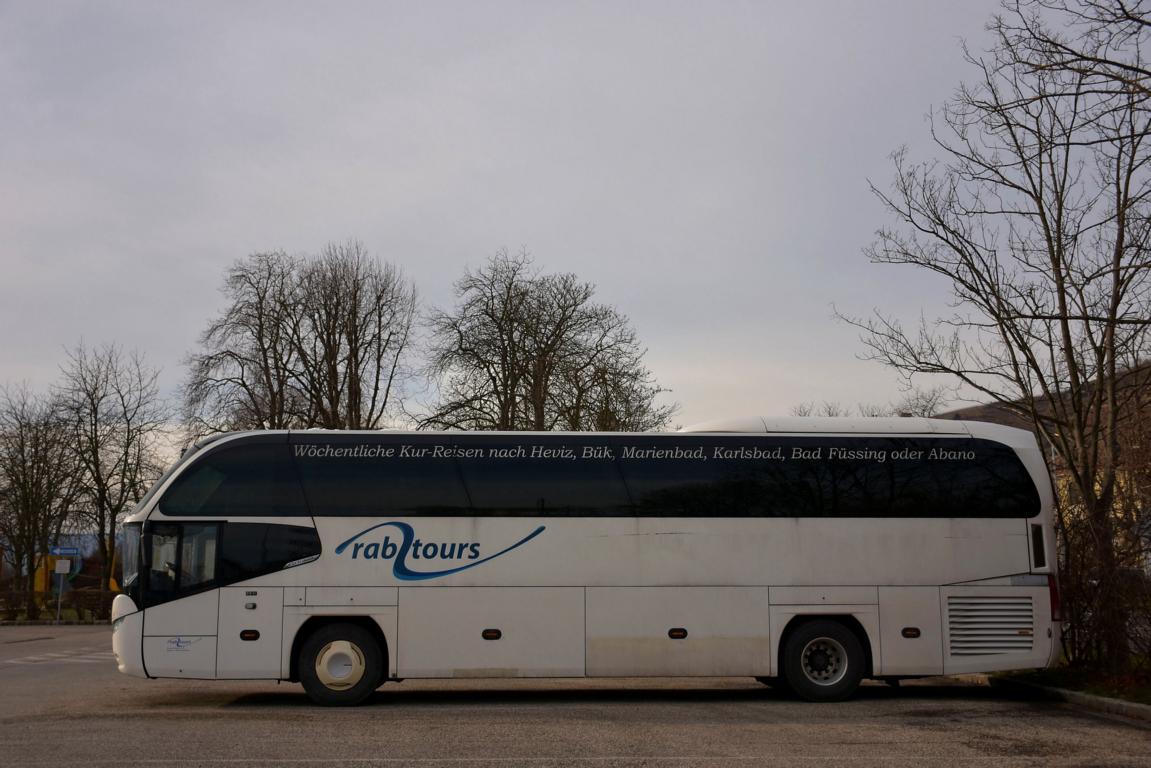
(365, 547)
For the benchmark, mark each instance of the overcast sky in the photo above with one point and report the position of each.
(704, 164)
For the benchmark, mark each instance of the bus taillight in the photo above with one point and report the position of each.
(1053, 592)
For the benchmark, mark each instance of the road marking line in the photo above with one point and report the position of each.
(86, 658)
(642, 759)
(25, 640)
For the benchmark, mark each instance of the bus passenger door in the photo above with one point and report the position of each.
(180, 638)
(181, 612)
(251, 624)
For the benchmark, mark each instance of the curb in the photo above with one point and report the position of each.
(1079, 699)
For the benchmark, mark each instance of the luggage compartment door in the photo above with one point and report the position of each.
(491, 632)
(700, 631)
(911, 635)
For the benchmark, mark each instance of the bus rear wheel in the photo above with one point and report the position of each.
(340, 665)
(823, 661)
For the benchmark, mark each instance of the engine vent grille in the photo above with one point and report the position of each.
(982, 626)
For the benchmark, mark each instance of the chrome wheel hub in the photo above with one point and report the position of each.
(340, 665)
(824, 661)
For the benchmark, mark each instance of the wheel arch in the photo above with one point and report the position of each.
(314, 623)
(846, 619)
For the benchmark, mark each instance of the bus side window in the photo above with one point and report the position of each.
(162, 558)
(248, 550)
(197, 555)
(383, 476)
(534, 475)
(696, 481)
(181, 559)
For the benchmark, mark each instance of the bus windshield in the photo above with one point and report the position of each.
(131, 555)
(143, 502)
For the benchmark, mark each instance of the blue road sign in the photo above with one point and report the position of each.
(64, 551)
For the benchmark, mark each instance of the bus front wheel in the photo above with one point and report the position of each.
(823, 661)
(340, 665)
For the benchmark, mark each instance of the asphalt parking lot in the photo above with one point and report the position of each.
(62, 703)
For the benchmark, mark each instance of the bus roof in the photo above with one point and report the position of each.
(830, 425)
(833, 424)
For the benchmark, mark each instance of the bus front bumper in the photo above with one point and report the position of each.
(127, 636)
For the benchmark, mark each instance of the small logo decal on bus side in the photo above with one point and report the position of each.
(180, 643)
(417, 549)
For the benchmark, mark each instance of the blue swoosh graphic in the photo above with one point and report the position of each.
(400, 567)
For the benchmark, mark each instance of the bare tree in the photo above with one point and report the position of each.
(524, 350)
(478, 350)
(112, 406)
(304, 342)
(1133, 515)
(618, 395)
(38, 482)
(1100, 40)
(355, 327)
(244, 375)
(876, 410)
(1038, 219)
(830, 408)
(924, 403)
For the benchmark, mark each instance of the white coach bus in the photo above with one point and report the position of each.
(812, 552)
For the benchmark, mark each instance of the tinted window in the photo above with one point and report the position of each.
(162, 547)
(826, 477)
(130, 580)
(180, 559)
(536, 475)
(197, 556)
(1038, 553)
(367, 475)
(245, 479)
(566, 475)
(682, 477)
(251, 549)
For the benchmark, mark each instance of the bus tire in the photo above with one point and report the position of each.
(823, 660)
(340, 665)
